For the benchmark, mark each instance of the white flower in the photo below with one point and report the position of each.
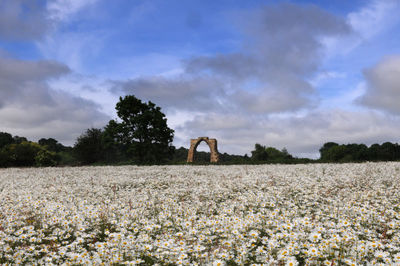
(381, 254)
(291, 261)
(218, 263)
(314, 236)
(254, 233)
(313, 252)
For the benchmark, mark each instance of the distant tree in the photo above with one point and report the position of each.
(51, 144)
(373, 151)
(325, 148)
(285, 153)
(5, 139)
(180, 155)
(387, 152)
(259, 153)
(19, 140)
(143, 132)
(274, 153)
(46, 158)
(336, 153)
(5, 159)
(359, 152)
(22, 154)
(88, 146)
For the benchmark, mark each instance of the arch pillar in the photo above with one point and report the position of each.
(212, 143)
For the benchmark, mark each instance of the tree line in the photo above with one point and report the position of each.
(141, 135)
(18, 151)
(334, 152)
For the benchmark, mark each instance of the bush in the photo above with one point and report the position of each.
(23, 154)
(46, 158)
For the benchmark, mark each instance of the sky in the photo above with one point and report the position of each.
(286, 74)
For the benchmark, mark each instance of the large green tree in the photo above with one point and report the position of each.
(143, 131)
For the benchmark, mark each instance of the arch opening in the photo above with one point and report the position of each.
(202, 152)
(212, 144)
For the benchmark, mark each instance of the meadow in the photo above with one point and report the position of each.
(317, 214)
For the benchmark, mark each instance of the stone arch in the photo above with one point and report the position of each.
(212, 143)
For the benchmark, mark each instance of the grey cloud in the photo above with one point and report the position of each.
(284, 38)
(29, 107)
(214, 122)
(64, 121)
(23, 20)
(237, 66)
(189, 93)
(383, 86)
(19, 70)
(270, 101)
(281, 49)
(25, 80)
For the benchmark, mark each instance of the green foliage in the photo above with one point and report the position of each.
(66, 157)
(5, 159)
(18, 151)
(5, 139)
(22, 154)
(112, 143)
(88, 146)
(19, 140)
(264, 154)
(325, 148)
(46, 158)
(333, 152)
(52, 145)
(260, 153)
(143, 135)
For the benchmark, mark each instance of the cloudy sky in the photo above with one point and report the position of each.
(292, 74)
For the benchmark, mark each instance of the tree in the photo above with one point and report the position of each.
(19, 140)
(88, 146)
(325, 148)
(51, 144)
(260, 153)
(336, 153)
(46, 158)
(22, 154)
(112, 141)
(387, 151)
(373, 152)
(143, 131)
(5, 139)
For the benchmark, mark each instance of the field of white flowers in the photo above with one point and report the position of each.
(322, 214)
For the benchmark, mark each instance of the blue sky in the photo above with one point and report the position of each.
(292, 74)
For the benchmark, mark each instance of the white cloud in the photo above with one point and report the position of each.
(74, 49)
(61, 10)
(324, 76)
(382, 87)
(377, 16)
(367, 22)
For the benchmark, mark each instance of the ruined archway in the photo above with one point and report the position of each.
(212, 143)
